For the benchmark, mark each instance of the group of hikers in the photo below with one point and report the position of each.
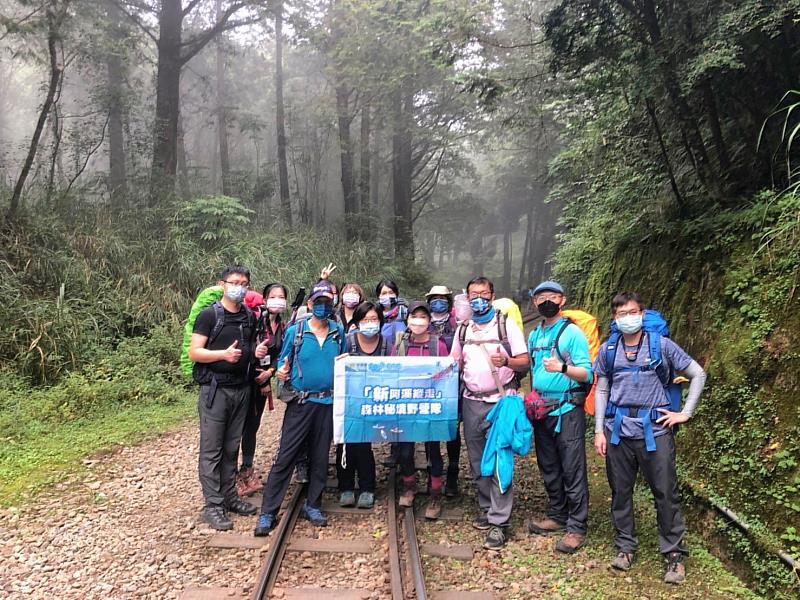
(238, 353)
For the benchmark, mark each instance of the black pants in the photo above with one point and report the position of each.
(221, 421)
(623, 461)
(405, 458)
(309, 422)
(562, 463)
(360, 460)
(433, 451)
(252, 422)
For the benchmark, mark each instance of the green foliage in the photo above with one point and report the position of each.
(215, 221)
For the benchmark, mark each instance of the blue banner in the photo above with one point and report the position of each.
(395, 399)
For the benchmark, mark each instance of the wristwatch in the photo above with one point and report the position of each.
(564, 367)
(505, 361)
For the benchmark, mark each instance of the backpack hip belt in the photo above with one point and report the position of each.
(511, 385)
(645, 414)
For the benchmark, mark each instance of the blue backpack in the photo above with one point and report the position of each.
(656, 327)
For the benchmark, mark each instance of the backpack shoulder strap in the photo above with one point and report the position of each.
(352, 342)
(219, 322)
(502, 332)
(462, 332)
(400, 343)
(384, 346)
(610, 350)
(567, 323)
(433, 345)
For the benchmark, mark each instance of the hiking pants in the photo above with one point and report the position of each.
(495, 505)
(308, 425)
(359, 459)
(433, 452)
(252, 422)
(562, 464)
(222, 412)
(623, 461)
(405, 458)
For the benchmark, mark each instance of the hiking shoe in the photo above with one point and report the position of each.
(676, 570)
(266, 523)
(253, 483)
(571, 543)
(545, 526)
(315, 515)
(434, 509)
(301, 472)
(495, 539)
(366, 500)
(622, 561)
(481, 522)
(241, 481)
(239, 507)
(347, 499)
(406, 499)
(451, 483)
(217, 518)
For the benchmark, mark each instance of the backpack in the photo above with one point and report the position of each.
(401, 344)
(510, 309)
(655, 326)
(298, 340)
(587, 323)
(352, 342)
(502, 338)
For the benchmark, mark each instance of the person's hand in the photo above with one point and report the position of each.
(283, 372)
(498, 360)
(670, 419)
(326, 271)
(262, 376)
(262, 350)
(552, 364)
(232, 353)
(600, 443)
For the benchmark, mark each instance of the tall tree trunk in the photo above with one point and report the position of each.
(53, 33)
(168, 84)
(55, 155)
(401, 176)
(525, 259)
(117, 176)
(507, 256)
(280, 119)
(346, 155)
(183, 170)
(651, 111)
(364, 175)
(222, 122)
(716, 128)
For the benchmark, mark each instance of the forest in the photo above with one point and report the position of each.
(611, 144)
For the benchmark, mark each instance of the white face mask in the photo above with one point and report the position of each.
(630, 324)
(418, 325)
(276, 305)
(350, 299)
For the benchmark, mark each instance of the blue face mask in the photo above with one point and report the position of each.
(479, 306)
(369, 329)
(440, 305)
(323, 310)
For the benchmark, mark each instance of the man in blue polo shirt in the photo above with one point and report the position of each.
(310, 348)
(560, 366)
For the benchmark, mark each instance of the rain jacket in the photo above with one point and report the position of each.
(510, 433)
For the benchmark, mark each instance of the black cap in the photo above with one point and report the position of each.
(416, 304)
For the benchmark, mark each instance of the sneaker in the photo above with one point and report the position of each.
(434, 509)
(451, 483)
(253, 483)
(301, 472)
(495, 539)
(366, 500)
(676, 570)
(315, 515)
(623, 561)
(347, 499)
(571, 543)
(266, 523)
(217, 518)
(481, 522)
(545, 526)
(241, 481)
(239, 507)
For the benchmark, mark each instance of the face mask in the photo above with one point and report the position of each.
(479, 306)
(322, 310)
(369, 329)
(548, 309)
(418, 325)
(350, 299)
(236, 293)
(276, 305)
(440, 305)
(388, 301)
(630, 323)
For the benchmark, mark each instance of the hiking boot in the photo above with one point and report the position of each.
(239, 507)
(622, 561)
(217, 518)
(253, 483)
(241, 481)
(451, 483)
(495, 539)
(545, 526)
(301, 472)
(266, 523)
(366, 500)
(315, 515)
(434, 509)
(481, 523)
(409, 491)
(347, 499)
(676, 570)
(571, 543)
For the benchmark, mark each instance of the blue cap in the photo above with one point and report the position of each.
(548, 286)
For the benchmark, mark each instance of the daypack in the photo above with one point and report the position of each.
(298, 340)
(655, 326)
(587, 323)
(510, 309)
(204, 299)
(401, 344)
(352, 342)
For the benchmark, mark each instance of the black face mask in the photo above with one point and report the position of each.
(548, 309)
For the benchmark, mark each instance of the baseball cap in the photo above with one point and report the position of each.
(321, 289)
(548, 286)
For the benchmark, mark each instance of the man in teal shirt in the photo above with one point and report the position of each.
(560, 372)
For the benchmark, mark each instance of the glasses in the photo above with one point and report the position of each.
(628, 313)
(545, 297)
(476, 295)
(241, 283)
(370, 320)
